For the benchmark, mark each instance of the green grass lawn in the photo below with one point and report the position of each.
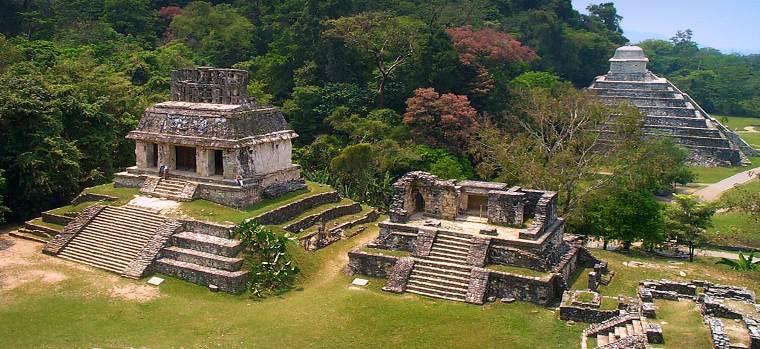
(213, 212)
(716, 174)
(682, 325)
(124, 195)
(735, 228)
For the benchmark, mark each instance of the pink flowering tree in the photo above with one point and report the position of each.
(441, 120)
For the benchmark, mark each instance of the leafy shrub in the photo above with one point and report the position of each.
(271, 268)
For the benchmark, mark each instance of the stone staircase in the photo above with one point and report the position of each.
(624, 331)
(672, 113)
(207, 257)
(169, 188)
(443, 273)
(113, 238)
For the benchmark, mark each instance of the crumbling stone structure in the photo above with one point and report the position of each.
(455, 230)
(216, 144)
(669, 111)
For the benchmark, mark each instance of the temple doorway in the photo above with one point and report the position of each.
(153, 155)
(419, 202)
(477, 204)
(185, 158)
(218, 163)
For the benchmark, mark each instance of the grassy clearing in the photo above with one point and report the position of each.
(38, 221)
(738, 124)
(324, 312)
(682, 325)
(124, 195)
(209, 211)
(627, 278)
(735, 228)
(716, 174)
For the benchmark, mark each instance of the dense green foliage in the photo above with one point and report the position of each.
(720, 83)
(374, 88)
(686, 220)
(266, 254)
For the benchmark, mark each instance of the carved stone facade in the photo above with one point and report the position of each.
(210, 134)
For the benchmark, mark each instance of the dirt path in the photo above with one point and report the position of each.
(713, 191)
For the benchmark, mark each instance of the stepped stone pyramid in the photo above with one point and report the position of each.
(669, 111)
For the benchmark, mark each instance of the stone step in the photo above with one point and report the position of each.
(633, 85)
(436, 279)
(450, 252)
(602, 340)
(438, 275)
(678, 121)
(451, 237)
(123, 242)
(637, 329)
(451, 246)
(436, 286)
(451, 267)
(229, 281)
(202, 258)
(29, 235)
(137, 209)
(629, 329)
(436, 293)
(92, 264)
(433, 270)
(634, 93)
(132, 215)
(668, 111)
(120, 228)
(171, 184)
(96, 259)
(435, 256)
(119, 253)
(206, 243)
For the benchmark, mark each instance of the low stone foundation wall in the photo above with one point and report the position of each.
(53, 218)
(370, 264)
(85, 197)
(588, 315)
(287, 212)
(214, 229)
(317, 239)
(326, 215)
(541, 291)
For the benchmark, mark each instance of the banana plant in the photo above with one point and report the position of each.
(743, 263)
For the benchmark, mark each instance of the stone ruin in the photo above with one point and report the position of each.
(669, 111)
(458, 233)
(216, 144)
(613, 328)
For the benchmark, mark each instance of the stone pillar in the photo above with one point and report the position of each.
(202, 161)
(141, 154)
(230, 162)
(167, 156)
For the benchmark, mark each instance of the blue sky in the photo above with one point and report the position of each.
(728, 25)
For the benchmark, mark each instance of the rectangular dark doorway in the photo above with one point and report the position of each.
(218, 163)
(154, 155)
(185, 158)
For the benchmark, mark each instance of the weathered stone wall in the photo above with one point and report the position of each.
(505, 207)
(399, 275)
(207, 228)
(326, 215)
(478, 285)
(287, 212)
(49, 217)
(85, 197)
(209, 85)
(534, 290)
(439, 198)
(139, 267)
(370, 264)
(396, 237)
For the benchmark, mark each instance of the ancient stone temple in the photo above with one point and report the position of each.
(669, 111)
(472, 241)
(216, 144)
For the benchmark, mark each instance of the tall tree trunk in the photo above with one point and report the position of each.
(381, 92)
(691, 251)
